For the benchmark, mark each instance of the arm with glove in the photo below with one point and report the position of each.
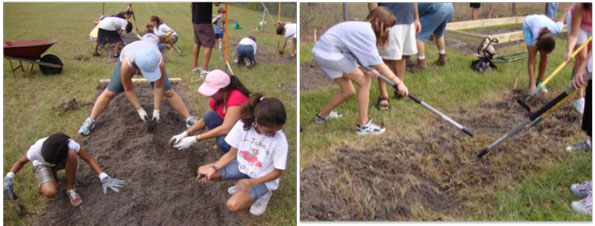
(106, 181)
(126, 78)
(8, 179)
(231, 117)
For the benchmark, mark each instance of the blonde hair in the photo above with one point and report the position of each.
(381, 19)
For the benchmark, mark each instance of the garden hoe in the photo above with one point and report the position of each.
(426, 106)
(532, 120)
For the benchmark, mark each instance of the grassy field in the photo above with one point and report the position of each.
(541, 196)
(29, 115)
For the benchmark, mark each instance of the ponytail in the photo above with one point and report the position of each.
(268, 111)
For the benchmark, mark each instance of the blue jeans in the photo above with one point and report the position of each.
(231, 171)
(212, 121)
(550, 9)
(245, 51)
(435, 22)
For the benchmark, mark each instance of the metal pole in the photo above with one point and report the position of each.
(344, 11)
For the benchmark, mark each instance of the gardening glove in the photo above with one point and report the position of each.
(8, 186)
(143, 114)
(110, 182)
(185, 143)
(156, 114)
(177, 138)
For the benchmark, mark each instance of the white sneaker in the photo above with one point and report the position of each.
(190, 121)
(260, 205)
(369, 128)
(579, 105)
(584, 206)
(330, 116)
(582, 189)
(196, 69)
(203, 74)
(232, 190)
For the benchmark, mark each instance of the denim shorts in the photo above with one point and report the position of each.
(115, 82)
(528, 35)
(231, 171)
(435, 22)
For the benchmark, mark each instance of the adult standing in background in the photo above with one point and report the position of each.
(401, 42)
(475, 10)
(433, 18)
(550, 9)
(204, 35)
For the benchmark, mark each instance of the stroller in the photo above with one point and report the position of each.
(486, 52)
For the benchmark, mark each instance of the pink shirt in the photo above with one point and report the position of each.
(236, 98)
(586, 19)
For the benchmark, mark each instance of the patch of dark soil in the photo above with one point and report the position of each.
(160, 187)
(71, 105)
(311, 77)
(410, 177)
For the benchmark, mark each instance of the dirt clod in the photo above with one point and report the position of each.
(71, 105)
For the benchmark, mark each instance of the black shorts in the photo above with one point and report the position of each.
(587, 113)
(475, 5)
(105, 36)
(218, 36)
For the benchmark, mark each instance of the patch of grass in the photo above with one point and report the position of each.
(543, 196)
(29, 102)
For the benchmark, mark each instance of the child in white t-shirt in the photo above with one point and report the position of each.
(257, 157)
(53, 153)
(289, 32)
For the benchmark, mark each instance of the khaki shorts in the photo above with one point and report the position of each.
(204, 35)
(401, 41)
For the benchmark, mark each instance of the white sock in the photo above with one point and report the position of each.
(589, 143)
(421, 57)
(442, 51)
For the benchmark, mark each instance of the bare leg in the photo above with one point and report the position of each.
(440, 43)
(382, 92)
(102, 101)
(176, 103)
(195, 52)
(346, 92)
(206, 58)
(363, 93)
(49, 189)
(531, 66)
(400, 66)
(96, 47)
(239, 201)
(71, 164)
(542, 65)
(420, 48)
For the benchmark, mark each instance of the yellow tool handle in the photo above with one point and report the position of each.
(563, 64)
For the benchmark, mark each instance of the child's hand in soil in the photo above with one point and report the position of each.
(185, 143)
(246, 184)
(204, 176)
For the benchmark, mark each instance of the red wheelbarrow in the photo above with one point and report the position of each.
(30, 51)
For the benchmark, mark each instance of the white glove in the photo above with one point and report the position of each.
(156, 114)
(177, 138)
(185, 143)
(143, 114)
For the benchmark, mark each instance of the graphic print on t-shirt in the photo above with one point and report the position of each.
(251, 157)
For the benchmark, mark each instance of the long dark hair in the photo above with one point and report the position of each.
(55, 148)
(268, 111)
(157, 20)
(234, 84)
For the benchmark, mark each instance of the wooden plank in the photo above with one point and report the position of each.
(470, 24)
(464, 36)
(509, 37)
(143, 80)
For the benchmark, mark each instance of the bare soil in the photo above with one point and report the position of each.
(311, 77)
(160, 187)
(411, 175)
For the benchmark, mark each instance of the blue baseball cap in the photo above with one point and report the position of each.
(148, 63)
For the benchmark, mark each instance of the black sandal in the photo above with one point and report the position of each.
(381, 106)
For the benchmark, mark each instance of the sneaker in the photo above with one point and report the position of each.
(260, 205)
(190, 121)
(232, 190)
(369, 128)
(583, 189)
(330, 116)
(538, 83)
(584, 206)
(579, 105)
(203, 74)
(582, 146)
(87, 126)
(220, 48)
(196, 69)
(96, 54)
(236, 60)
(247, 62)
(75, 199)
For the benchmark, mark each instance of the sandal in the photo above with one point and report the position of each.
(75, 199)
(382, 103)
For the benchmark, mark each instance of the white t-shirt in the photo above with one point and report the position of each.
(163, 29)
(248, 41)
(290, 30)
(34, 152)
(353, 37)
(112, 24)
(536, 22)
(129, 51)
(258, 155)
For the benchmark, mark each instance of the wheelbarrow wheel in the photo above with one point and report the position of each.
(52, 59)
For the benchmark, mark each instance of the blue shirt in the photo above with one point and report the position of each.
(402, 11)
